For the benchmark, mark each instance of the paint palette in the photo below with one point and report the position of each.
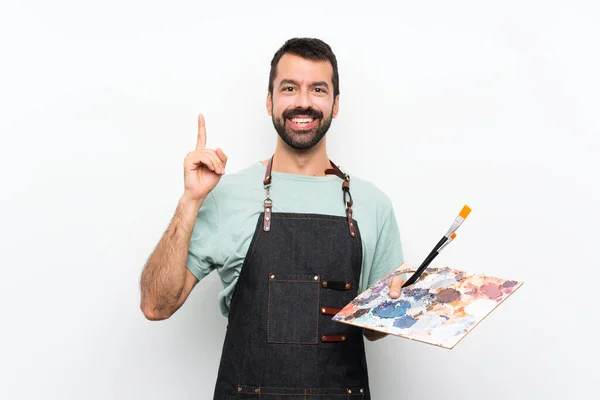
(439, 309)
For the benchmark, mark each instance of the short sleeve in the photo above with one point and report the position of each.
(388, 250)
(203, 251)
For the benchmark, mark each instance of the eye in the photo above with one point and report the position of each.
(320, 90)
(287, 89)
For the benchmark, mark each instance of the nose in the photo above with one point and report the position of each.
(303, 99)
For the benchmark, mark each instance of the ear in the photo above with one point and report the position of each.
(269, 104)
(336, 106)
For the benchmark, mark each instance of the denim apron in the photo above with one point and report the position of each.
(281, 343)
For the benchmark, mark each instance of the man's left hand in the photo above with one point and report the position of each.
(395, 285)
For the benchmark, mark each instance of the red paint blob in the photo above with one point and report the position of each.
(491, 290)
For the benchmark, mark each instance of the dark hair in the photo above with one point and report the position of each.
(310, 49)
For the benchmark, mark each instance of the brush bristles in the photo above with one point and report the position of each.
(464, 213)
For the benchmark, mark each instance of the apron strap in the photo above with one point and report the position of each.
(267, 180)
(268, 203)
(346, 193)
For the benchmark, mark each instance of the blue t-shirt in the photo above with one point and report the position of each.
(227, 220)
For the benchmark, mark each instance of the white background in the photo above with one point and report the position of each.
(490, 104)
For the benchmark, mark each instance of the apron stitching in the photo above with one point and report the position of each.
(247, 260)
(269, 317)
(312, 218)
(305, 394)
(269, 312)
(311, 343)
(318, 305)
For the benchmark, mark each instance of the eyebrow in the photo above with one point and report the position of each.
(294, 82)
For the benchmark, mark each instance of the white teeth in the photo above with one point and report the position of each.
(302, 120)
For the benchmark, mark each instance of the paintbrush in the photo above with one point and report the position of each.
(444, 241)
(428, 261)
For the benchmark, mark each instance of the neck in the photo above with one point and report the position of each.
(311, 162)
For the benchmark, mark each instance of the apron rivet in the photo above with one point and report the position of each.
(256, 390)
(267, 218)
(316, 277)
(239, 388)
(323, 310)
(272, 276)
(268, 210)
(267, 228)
(362, 391)
(349, 391)
(343, 338)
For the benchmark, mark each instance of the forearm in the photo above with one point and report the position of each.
(164, 274)
(373, 335)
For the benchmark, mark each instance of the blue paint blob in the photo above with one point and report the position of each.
(406, 321)
(391, 309)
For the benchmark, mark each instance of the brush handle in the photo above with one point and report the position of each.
(421, 268)
(437, 247)
(425, 262)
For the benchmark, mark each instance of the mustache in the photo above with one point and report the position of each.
(309, 112)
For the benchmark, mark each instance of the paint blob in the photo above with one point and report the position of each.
(406, 321)
(447, 296)
(491, 290)
(391, 309)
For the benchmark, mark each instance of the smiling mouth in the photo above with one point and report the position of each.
(301, 123)
(302, 120)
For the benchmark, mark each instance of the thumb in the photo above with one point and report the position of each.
(396, 286)
(222, 156)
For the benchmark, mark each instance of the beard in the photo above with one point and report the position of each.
(302, 139)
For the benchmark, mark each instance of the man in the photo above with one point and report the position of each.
(293, 238)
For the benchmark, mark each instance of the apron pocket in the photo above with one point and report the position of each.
(275, 393)
(293, 309)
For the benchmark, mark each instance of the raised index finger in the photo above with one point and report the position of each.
(201, 143)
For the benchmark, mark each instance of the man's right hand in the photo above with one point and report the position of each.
(203, 167)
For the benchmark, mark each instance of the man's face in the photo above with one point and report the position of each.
(302, 104)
